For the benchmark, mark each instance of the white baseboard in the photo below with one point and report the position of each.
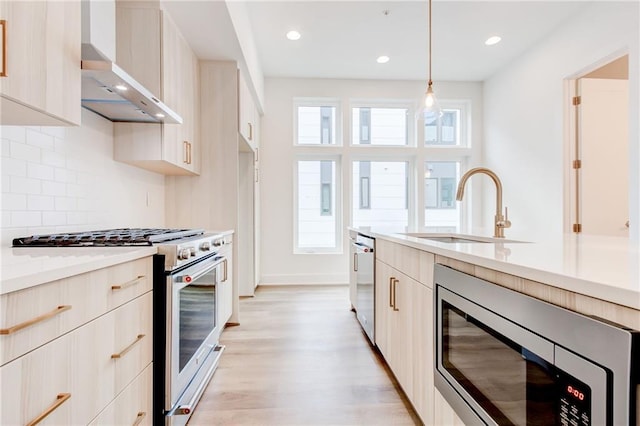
(305, 279)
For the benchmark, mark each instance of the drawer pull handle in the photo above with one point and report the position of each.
(128, 283)
(141, 415)
(128, 348)
(35, 320)
(391, 279)
(60, 399)
(395, 282)
(3, 34)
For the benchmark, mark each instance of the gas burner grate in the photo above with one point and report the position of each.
(107, 238)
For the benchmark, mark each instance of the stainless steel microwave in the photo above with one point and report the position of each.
(504, 358)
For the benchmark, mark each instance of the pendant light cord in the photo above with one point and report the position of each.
(430, 82)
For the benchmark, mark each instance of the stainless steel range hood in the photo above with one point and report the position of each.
(107, 89)
(110, 92)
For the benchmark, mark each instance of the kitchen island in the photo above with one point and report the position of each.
(594, 276)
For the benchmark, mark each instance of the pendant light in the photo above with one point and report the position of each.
(430, 104)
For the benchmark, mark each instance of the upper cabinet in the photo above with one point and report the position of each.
(152, 49)
(248, 115)
(40, 79)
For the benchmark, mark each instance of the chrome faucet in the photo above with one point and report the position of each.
(500, 221)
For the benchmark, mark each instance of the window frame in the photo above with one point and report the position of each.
(409, 105)
(337, 207)
(318, 103)
(464, 106)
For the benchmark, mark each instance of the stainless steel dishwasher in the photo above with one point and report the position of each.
(363, 264)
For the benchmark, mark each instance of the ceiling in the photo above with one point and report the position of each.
(342, 39)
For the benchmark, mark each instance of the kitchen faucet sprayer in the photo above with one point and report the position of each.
(500, 221)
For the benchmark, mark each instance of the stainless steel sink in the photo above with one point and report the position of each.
(458, 238)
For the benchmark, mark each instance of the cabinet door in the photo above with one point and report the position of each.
(402, 330)
(384, 275)
(443, 413)
(225, 286)
(422, 352)
(42, 44)
(246, 112)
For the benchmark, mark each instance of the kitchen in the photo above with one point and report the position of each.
(65, 179)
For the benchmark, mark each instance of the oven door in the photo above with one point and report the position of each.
(192, 331)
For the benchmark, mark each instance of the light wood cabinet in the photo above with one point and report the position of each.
(443, 413)
(248, 115)
(225, 285)
(78, 371)
(152, 49)
(42, 82)
(404, 326)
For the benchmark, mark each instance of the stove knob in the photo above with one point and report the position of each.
(218, 243)
(184, 254)
(192, 251)
(206, 246)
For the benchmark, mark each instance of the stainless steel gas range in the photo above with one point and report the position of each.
(187, 270)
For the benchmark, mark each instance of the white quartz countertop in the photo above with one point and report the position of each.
(29, 266)
(605, 268)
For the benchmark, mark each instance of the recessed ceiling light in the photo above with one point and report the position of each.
(121, 87)
(382, 59)
(493, 40)
(293, 35)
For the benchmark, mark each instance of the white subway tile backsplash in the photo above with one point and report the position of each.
(56, 179)
(13, 133)
(64, 175)
(75, 190)
(66, 204)
(22, 185)
(76, 218)
(13, 167)
(14, 202)
(57, 132)
(38, 171)
(40, 202)
(54, 218)
(5, 149)
(39, 139)
(20, 151)
(54, 188)
(26, 218)
(52, 158)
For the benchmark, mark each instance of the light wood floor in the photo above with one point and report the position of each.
(299, 357)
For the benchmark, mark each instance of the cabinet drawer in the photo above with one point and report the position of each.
(82, 364)
(50, 310)
(133, 406)
(415, 263)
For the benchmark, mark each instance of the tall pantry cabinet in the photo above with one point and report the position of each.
(224, 195)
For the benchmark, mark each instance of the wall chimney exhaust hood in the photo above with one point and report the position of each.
(107, 89)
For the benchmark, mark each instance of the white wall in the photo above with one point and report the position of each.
(63, 179)
(279, 264)
(524, 112)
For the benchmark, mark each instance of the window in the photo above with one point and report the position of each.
(316, 212)
(440, 185)
(316, 122)
(380, 126)
(448, 129)
(380, 193)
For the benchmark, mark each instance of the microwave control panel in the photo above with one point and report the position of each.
(575, 402)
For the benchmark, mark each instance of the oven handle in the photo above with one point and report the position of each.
(186, 409)
(189, 278)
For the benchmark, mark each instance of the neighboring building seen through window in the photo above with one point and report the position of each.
(316, 212)
(440, 185)
(380, 193)
(316, 125)
(380, 126)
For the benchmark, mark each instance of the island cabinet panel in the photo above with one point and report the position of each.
(66, 365)
(225, 283)
(415, 263)
(444, 414)
(40, 79)
(404, 334)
